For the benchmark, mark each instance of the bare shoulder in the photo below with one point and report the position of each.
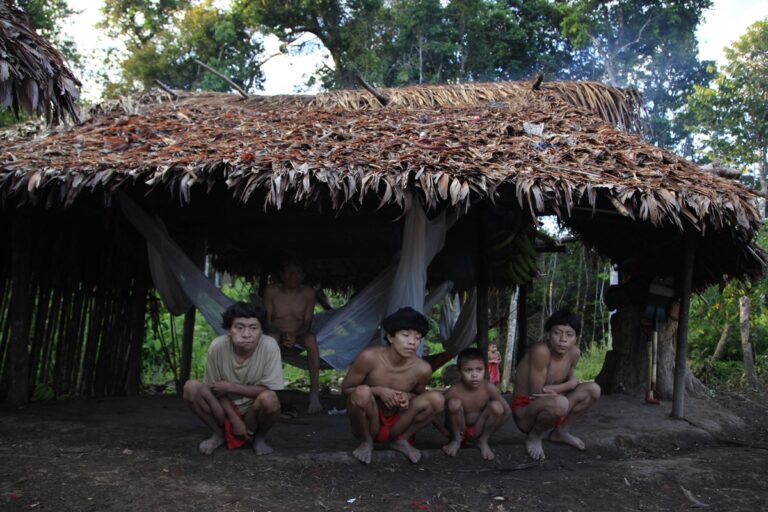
(271, 289)
(575, 353)
(423, 367)
(367, 357)
(540, 352)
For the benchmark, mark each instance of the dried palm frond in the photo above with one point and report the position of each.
(33, 75)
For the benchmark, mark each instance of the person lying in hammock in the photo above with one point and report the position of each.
(385, 386)
(237, 398)
(290, 307)
(547, 397)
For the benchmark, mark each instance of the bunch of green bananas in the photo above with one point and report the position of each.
(511, 254)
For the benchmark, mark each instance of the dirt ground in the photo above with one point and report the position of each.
(141, 454)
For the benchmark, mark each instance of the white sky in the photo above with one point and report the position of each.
(724, 23)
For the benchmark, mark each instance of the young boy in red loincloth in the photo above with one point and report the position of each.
(474, 408)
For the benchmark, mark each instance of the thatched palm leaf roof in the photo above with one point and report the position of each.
(33, 75)
(455, 154)
(508, 143)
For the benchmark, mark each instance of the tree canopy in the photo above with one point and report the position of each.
(164, 37)
(732, 114)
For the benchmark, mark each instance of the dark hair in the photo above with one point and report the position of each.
(405, 318)
(244, 310)
(563, 317)
(469, 354)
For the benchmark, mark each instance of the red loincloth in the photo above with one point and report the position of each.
(233, 441)
(386, 423)
(493, 373)
(519, 402)
(469, 434)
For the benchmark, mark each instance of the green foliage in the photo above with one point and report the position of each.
(715, 306)
(646, 44)
(728, 373)
(591, 361)
(732, 114)
(163, 39)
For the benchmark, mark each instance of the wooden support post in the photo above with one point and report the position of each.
(746, 344)
(18, 392)
(522, 322)
(188, 334)
(681, 355)
(482, 278)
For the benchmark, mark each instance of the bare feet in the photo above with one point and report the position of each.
(208, 446)
(363, 452)
(402, 446)
(315, 406)
(261, 447)
(533, 446)
(485, 450)
(558, 436)
(452, 448)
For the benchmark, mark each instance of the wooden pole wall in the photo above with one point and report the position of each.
(18, 353)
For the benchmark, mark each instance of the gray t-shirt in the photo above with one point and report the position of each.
(263, 368)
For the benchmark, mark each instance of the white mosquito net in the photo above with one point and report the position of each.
(341, 333)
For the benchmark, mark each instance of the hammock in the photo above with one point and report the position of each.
(341, 333)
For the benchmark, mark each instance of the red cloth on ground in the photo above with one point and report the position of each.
(493, 373)
(232, 440)
(519, 402)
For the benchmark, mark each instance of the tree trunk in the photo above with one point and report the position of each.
(720, 349)
(509, 352)
(746, 345)
(666, 365)
(625, 368)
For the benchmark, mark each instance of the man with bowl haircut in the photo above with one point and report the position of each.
(243, 369)
(547, 396)
(387, 400)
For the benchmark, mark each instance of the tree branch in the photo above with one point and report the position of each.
(223, 77)
(167, 89)
(383, 99)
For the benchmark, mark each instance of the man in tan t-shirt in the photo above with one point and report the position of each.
(243, 370)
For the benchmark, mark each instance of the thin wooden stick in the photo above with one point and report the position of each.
(382, 98)
(167, 89)
(223, 77)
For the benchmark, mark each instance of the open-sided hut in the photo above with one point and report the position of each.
(34, 77)
(327, 177)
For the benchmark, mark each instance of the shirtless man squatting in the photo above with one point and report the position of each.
(474, 409)
(243, 369)
(385, 386)
(547, 396)
(290, 307)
